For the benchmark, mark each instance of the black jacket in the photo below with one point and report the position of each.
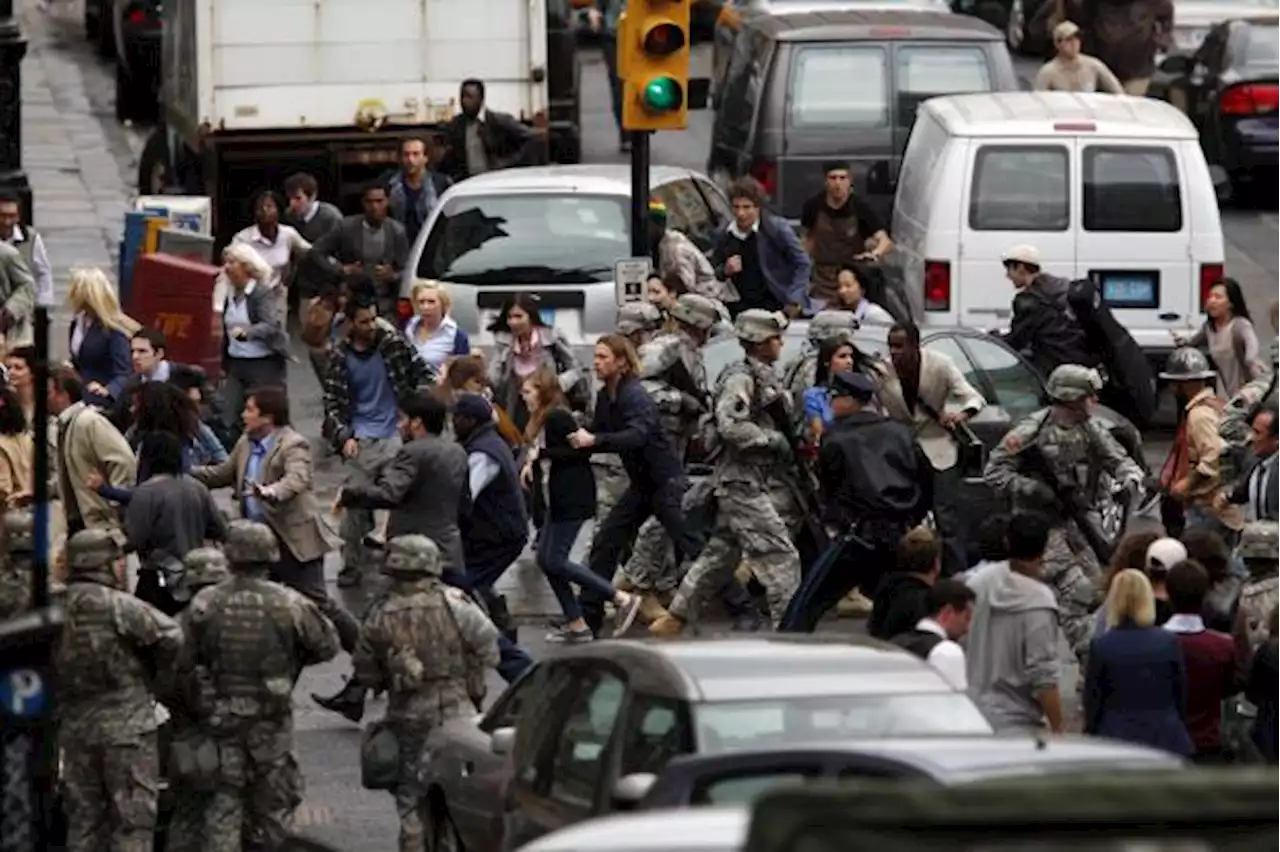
(627, 424)
(506, 141)
(1044, 326)
(571, 484)
(871, 469)
(898, 605)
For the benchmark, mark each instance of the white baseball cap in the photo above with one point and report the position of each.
(1030, 255)
(1164, 553)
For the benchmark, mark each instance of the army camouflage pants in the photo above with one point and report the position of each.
(411, 799)
(1068, 568)
(749, 527)
(111, 793)
(259, 788)
(611, 483)
(362, 470)
(652, 565)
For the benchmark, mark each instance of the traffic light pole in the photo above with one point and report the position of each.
(640, 193)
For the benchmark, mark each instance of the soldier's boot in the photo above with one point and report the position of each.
(651, 608)
(854, 605)
(349, 701)
(667, 626)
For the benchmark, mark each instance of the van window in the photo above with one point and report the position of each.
(1020, 188)
(1129, 188)
(927, 71)
(845, 86)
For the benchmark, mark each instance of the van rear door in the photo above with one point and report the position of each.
(1019, 192)
(1135, 234)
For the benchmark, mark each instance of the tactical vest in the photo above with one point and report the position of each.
(248, 647)
(93, 658)
(675, 416)
(711, 431)
(428, 649)
(919, 642)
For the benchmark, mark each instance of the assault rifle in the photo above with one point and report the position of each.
(813, 535)
(1068, 498)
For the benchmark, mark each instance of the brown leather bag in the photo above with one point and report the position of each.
(317, 322)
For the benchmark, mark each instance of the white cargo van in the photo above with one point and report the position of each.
(1111, 188)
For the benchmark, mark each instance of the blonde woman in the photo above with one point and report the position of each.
(431, 330)
(1135, 684)
(100, 334)
(254, 344)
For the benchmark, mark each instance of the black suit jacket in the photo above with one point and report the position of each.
(1271, 488)
(345, 243)
(506, 141)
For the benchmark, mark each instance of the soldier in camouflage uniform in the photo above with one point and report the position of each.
(1237, 418)
(429, 646)
(755, 496)
(203, 568)
(801, 373)
(110, 649)
(1077, 448)
(650, 569)
(15, 569)
(250, 638)
(1260, 548)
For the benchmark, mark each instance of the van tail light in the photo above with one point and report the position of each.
(766, 173)
(404, 310)
(1250, 99)
(937, 285)
(1210, 274)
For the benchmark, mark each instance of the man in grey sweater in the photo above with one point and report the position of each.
(1012, 661)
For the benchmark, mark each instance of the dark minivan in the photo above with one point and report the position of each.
(802, 89)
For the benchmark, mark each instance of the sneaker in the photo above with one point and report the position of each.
(854, 605)
(626, 614)
(566, 636)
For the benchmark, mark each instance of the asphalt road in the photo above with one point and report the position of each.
(69, 95)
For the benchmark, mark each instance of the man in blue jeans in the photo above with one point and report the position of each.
(604, 20)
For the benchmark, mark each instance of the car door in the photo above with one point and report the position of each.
(577, 758)
(657, 730)
(472, 777)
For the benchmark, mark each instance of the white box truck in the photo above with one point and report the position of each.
(255, 90)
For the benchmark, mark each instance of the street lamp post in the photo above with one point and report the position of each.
(13, 47)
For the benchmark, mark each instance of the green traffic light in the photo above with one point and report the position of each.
(663, 94)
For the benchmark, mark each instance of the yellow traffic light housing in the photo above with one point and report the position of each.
(653, 64)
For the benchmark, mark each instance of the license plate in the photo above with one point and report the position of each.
(1129, 289)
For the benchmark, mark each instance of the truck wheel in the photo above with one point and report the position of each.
(155, 173)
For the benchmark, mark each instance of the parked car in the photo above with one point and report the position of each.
(1013, 390)
(803, 89)
(701, 830)
(553, 230)
(1193, 19)
(137, 28)
(741, 777)
(1228, 88)
(594, 714)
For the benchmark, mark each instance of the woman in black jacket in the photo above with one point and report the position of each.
(564, 499)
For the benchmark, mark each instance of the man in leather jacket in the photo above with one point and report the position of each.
(876, 484)
(1043, 324)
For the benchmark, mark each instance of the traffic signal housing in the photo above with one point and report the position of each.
(653, 64)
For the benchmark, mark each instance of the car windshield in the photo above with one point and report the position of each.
(1262, 49)
(735, 725)
(526, 239)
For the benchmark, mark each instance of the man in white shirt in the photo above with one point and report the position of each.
(935, 639)
(1073, 71)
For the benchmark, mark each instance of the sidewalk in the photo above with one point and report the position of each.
(80, 195)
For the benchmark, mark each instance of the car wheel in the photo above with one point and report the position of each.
(444, 834)
(1015, 27)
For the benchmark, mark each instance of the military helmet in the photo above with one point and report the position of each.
(1187, 363)
(20, 531)
(1260, 540)
(757, 326)
(828, 325)
(93, 548)
(638, 316)
(249, 542)
(413, 556)
(695, 310)
(1071, 383)
(205, 566)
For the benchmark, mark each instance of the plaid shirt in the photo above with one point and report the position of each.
(406, 371)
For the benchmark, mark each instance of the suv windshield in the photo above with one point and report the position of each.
(526, 239)
(732, 725)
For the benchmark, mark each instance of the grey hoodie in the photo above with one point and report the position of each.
(1012, 647)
